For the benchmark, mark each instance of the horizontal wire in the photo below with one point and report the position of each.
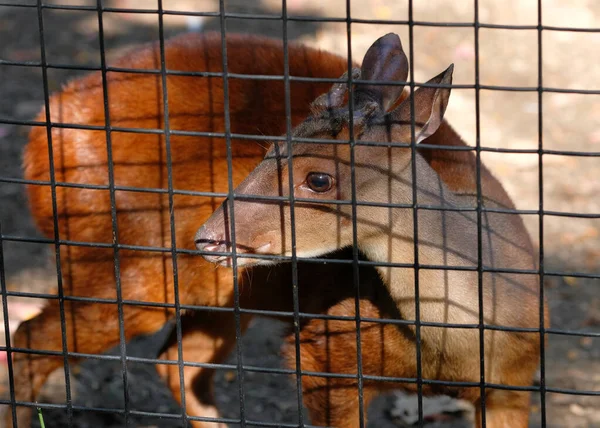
(151, 131)
(280, 258)
(288, 372)
(52, 406)
(290, 314)
(269, 77)
(247, 197)
(277, 17)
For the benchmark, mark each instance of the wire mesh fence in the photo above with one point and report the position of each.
(110, 187)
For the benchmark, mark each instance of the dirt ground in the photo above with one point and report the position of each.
(508, 120)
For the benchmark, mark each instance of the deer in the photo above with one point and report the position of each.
(199, 163)
(457, 266)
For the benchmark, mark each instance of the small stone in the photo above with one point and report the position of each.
(5, 130)
(586, 342)
(194, 23)
(465, 50)
(576, 409)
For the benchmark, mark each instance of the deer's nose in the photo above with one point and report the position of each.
(207, 240)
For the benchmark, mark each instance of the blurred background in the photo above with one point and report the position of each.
(508, 119)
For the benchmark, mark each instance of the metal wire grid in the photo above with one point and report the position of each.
(241, 368)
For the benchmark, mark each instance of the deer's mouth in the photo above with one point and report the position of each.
(221, 253)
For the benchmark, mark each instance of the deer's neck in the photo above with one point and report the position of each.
(444, 238)
(446, 244)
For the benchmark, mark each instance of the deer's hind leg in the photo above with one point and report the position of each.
(91, 328)
(207, 337)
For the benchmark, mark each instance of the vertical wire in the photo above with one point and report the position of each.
(355, 267)
(230, 200)
(167, 133)
(413, 148)
(11, 379)
(541, 219)
(61, 295)
(113, 212)
(481, 326)
(288, 133)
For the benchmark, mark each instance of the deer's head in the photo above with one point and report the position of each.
(324, 173)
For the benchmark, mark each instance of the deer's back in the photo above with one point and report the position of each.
(199, 163)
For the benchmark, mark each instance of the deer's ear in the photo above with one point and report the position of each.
(430, 106)
(384, 61)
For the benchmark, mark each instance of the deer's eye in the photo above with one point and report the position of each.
(319, 182)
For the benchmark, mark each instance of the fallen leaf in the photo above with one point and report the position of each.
(570, 280)
(230, 376)
(591, 232)
(591, 321)
(383, 12)
(567, 238)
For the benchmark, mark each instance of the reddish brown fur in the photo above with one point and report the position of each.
(200, 164)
